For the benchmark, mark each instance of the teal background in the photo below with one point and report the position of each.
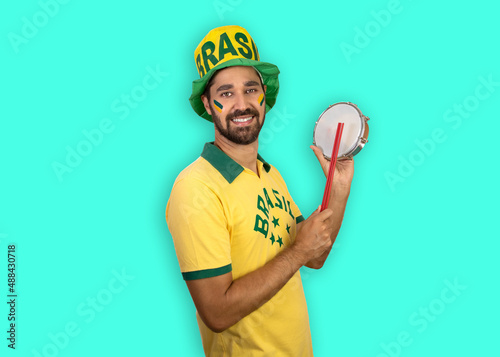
(399, 242)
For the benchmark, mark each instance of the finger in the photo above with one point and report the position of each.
(316, 211)
(324, 215)
(347, 158)
(345, 162)
(318, 153)
(329, 220)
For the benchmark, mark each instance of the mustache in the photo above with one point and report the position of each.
(237, 113)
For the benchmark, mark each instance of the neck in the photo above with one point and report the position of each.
(245, 155)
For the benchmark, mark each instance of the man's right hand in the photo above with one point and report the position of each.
(313, 237)
(222, 301)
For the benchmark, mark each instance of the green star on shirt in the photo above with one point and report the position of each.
(288, 228)
(272, 239)
(279, 241)
(276, 222)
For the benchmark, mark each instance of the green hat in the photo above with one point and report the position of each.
(224, 47)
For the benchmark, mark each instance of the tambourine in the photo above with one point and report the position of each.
(354, 136)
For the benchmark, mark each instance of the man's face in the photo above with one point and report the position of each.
(237, 104)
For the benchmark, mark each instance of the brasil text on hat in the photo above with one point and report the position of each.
(224, 47)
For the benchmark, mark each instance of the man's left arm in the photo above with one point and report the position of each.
(341, 186)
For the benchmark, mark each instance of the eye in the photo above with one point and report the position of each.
(226, 94)
(251, 90)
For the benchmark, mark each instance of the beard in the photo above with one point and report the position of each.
(239, 135)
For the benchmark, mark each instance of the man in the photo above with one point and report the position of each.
(239, 237)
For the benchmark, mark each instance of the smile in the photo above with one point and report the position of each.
(242, 120)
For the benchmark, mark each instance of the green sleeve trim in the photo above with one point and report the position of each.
(207, 273)
(300, 219)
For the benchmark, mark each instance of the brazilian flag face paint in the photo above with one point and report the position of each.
(261, 99)
(218, 106)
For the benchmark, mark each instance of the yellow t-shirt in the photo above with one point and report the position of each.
(223, 217)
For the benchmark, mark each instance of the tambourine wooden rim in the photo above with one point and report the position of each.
(362, 136)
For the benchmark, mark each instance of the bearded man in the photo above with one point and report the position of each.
(239, 237)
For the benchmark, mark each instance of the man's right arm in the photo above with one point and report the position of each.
(221, 301)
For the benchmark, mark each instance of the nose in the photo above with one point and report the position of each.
(240, 102)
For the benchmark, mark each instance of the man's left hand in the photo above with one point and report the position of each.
(344, 169)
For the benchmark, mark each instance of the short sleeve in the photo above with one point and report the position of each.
(295, 209)
(198, 226)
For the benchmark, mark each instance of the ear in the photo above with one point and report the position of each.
(265, 88)
(204, 99)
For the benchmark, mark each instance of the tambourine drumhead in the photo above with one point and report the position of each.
(354, 135)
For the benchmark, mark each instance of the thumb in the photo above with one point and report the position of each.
(317, 211)
(317, 152)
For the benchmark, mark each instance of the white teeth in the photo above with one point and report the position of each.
(242, 120)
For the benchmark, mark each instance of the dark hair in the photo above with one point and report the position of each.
(209, 85)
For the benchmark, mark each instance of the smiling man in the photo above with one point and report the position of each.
(234, 88)
(239, 237)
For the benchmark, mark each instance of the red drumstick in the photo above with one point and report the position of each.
(333, 162)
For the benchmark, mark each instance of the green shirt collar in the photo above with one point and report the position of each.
(227, 167)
